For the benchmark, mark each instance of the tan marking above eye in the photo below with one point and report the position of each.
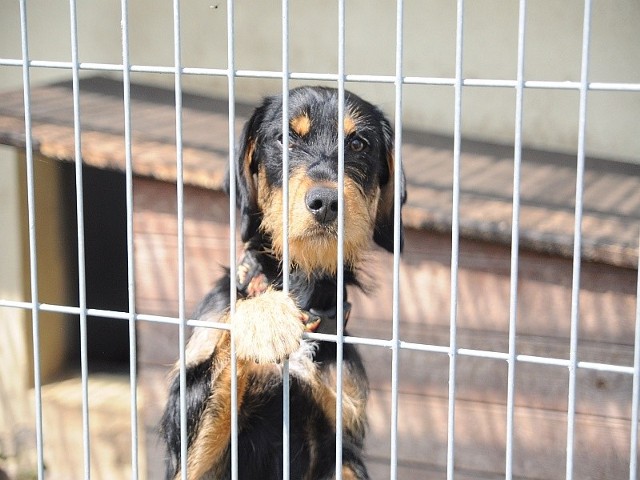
(301, 125)
(349, 125)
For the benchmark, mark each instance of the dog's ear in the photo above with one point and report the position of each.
(246, 169)
(383, 231)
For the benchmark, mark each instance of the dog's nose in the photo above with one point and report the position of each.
(322, 202)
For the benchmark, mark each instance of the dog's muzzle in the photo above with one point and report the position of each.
(322, 203)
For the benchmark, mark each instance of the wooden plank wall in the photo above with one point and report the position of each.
(606, 335)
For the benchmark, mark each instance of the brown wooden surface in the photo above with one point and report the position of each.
(611, 195)
(606, 336)
(109, 428)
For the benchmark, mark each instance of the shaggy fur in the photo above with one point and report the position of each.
(268, 325)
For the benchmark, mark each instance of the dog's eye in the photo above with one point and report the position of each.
(357, 144)
(290, 142)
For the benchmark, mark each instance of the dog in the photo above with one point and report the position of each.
(268, 324)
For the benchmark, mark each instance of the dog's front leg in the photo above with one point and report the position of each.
(267, 328)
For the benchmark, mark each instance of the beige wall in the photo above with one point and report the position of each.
(14, 341)
(54, 286)
(553, 52)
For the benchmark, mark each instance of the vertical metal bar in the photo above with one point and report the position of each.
(455, 242)
(577, 240)
(285, 143)
(77, 131)
(285, 229)
(635, 400)
(340, 249)
(180, 211)
(131, 285)
(515, 242)
(33, 256)
(397, 153)
(232, 233)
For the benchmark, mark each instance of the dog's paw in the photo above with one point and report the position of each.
(267, 328)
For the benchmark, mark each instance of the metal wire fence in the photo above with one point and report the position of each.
(512, 358)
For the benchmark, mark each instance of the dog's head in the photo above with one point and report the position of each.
(313, 177)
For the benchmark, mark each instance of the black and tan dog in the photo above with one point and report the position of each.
(268, 324)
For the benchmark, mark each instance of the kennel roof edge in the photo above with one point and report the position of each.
(611, 217)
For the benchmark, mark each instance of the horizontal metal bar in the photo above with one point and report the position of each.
(112, 314)
(365, 341)
(313, 76)
(605, 367)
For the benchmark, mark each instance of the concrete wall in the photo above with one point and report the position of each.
(553, 52)
(15, 415)
(17, 427)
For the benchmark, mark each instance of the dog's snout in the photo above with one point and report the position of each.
(322, 202)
